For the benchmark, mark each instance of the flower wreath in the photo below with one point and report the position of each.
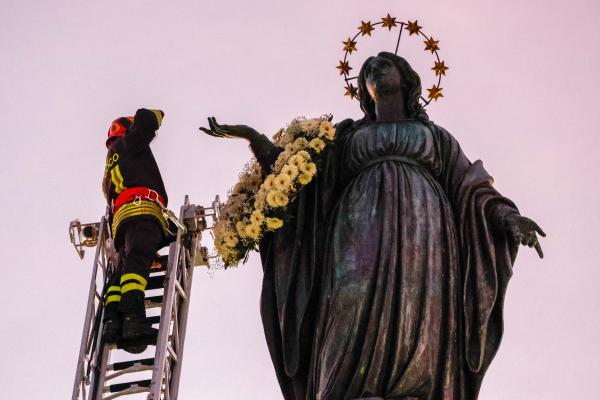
(256, 205)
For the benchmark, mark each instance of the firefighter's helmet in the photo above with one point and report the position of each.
(118, 128)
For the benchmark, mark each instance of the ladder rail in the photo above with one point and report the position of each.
(183, 315)
(89, 314)
(160, 359)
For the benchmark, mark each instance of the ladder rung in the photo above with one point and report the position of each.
(118, 366)
(153, 301)
(119, 387)
(161, 265)
(155, 282)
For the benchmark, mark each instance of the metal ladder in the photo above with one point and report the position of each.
(97, 377)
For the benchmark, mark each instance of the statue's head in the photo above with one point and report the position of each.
(385, 76)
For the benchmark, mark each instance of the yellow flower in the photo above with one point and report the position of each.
(290, 170)
(230, 239)
(326, 129)
(304, 154)
(296, 161)
(269, 182)
(304, 179)
(259, 200)
(309, 168)
(257, 217)
(283, 182)
(253, 231)
(271, 198)
(240, 227)
(317, 145)
(274, 223)
(300, 143)
(310, 125)
(277, 199)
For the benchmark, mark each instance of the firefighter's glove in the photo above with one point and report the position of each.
(148, 119)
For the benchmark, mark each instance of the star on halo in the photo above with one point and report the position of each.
(365, 28)
(435, 92)
(349, 45)
(413, 27)
(389, 22)
(440, 68)
(351, 91)
(344, 68)
(431, 45)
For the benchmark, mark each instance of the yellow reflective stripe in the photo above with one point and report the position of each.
(114, 289)
(135, 277)
(132, 286)
(133, 209)
(158, 116)
(113, 298)
(117, 179)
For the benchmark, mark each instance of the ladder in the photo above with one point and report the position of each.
(157, 370)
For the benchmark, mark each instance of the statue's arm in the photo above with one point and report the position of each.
(460, 176)
(264, 150)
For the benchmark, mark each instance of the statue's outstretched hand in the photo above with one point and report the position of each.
(229, 131)
(523, 231)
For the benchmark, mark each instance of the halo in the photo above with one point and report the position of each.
(390, 22)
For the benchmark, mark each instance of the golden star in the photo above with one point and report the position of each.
(349, 45)
(413, 27)
(389, 22)
(344, 67)
(431, 45)
(440, 68)
(351, 91)
(365, 28)
(435, 93)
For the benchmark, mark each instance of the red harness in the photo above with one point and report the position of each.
(137, 194)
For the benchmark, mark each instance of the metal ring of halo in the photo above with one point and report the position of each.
(390, 22)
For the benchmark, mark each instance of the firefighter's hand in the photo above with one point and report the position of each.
(148, 119)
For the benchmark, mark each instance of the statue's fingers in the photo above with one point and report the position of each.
(216, 128)
(538, 229)
(538, 248)
(523, 239)
(209, 132)
(211, 124)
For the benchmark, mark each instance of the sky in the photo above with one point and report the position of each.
(520, 94)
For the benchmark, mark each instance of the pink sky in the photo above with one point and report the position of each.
(521, 94)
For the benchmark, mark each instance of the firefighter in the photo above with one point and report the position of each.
(136, 195)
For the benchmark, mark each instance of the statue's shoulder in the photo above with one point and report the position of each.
(344, 126)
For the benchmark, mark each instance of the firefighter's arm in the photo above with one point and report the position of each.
(145, 124)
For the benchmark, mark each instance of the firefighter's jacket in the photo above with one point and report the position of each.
(131, 164)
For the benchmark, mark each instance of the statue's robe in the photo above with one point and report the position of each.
(389, 279)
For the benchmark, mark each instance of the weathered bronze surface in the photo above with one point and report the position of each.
(389, 280)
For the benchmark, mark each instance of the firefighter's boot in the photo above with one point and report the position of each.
(112, 323)
(135, 325)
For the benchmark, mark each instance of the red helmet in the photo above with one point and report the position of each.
(118, 128)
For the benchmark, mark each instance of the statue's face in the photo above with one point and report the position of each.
(382, 78)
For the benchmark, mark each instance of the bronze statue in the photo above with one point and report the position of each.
(388, 281)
